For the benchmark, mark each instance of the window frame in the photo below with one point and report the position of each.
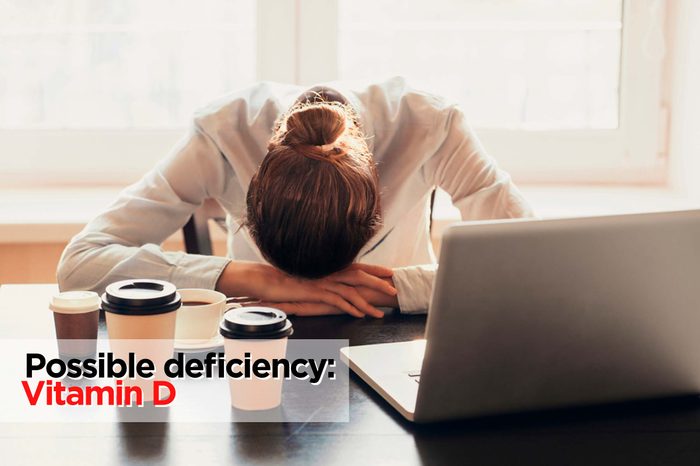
(304, 51)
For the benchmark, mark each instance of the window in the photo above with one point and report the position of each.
(510, 64)
(96, 91)
(564, 90)
(120, 64)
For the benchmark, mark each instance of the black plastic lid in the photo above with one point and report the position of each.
(255, 322)
(141, 297)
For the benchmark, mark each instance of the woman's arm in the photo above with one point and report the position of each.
(341, 292)
(372, 284)
(478, 187)
(123, 242)
(461, 166)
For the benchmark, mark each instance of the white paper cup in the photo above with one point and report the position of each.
(199, 323)
(263, 333)
(141, 317)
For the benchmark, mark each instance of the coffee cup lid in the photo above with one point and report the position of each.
(255, 322)
(75, 302)
(141, 297)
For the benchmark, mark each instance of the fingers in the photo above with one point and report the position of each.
(337, 301)
(327, 296)
(305, 309)
(317, 291)
(350, 294)
(337, 292)
(376, 270)
(357, 277)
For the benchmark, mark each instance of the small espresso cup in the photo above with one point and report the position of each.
(75, 316)
(198, 318)
(262, 332)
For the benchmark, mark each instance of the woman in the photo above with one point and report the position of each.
(314, 182)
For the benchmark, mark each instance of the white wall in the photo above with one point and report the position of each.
(683, 95)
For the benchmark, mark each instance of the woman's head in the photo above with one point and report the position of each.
(314, 202)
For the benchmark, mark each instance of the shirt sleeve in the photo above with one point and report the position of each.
(478, 188)
(124, 241)
(414, 286)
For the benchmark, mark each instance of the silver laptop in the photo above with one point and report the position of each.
(539, 314)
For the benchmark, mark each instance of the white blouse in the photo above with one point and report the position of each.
(419, 141)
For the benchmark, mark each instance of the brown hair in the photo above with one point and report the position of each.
(314, 202)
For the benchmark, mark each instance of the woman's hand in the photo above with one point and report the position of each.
(371, 295)
(340, 291)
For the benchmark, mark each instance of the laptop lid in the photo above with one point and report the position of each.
(541, 314)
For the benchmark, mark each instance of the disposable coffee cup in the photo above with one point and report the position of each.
(141, 309)
(199, 317)
(262, 332)
(141, 317)
(75, 316)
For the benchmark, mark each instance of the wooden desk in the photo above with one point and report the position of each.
(640, 434)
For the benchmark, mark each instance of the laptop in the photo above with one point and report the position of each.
(543, 314)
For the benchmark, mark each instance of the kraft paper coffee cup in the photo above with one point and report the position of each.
(75, 316)
(262, 332)
(140, 317)
(199, 322)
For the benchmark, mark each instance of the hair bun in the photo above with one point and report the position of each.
(315, 125)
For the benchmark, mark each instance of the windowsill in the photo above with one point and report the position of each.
(550, 201)
(54, 216)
